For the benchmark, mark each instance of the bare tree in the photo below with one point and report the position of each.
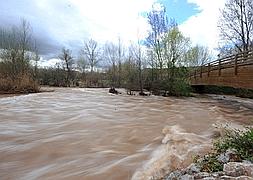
(151, 63)
(236, 24)
(17, 49)
(91, 53)
(120, 49)
(138, 55)
(130, 70)
(16, 44)
(36, 60)
(110, 53)
(25, 38)
(67, 59)
(82, 64)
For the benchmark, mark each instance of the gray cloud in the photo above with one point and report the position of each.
(67, 23)
(54, 22)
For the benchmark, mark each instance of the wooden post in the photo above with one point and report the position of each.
(200, 71)
(219, 67)
(195, 73)
(208, 69)
(236, 65)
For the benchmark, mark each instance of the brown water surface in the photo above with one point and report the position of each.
(90, 134)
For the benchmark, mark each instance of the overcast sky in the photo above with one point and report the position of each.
(58, 23)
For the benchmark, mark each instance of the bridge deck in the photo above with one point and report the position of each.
(233, 71)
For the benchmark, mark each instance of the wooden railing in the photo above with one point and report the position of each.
(234, 67)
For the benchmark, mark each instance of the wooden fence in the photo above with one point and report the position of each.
(234, 71)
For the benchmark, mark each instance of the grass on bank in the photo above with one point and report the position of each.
(22, 84)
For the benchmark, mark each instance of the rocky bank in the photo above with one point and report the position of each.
(231, 170)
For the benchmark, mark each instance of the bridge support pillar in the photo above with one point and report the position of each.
(236, 66)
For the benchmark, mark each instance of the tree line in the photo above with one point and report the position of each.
(17, 49)
(159, 63)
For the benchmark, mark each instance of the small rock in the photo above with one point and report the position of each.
(244, 178)
(218, 174)
(192, 169)
(237, 169)
(202, 175)
(227, 178)
(223, 158)
(175, 175)
(187, 177)
(229, 156)
(233, 169)
(248, 169)
(246, 162)
(209, 178)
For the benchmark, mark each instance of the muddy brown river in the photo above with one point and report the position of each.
(91, 134)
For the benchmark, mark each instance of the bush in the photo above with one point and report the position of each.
(209, 163)
(179, 87)
(241, 141)
(5, 84)
(22, 84)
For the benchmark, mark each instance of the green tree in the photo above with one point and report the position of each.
(158, 22)
(176, 45)
(175, 48)
(197, 56)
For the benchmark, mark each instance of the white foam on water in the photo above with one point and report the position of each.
(177, 150)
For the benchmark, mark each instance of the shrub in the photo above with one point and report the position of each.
(209, 163)
(5, 84)
(240, 141)
(22, 84)
(179, 87)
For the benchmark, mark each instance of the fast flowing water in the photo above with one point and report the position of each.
(90, 134)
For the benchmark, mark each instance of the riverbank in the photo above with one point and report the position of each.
(42, 89)
(188, 156)
(231, 158)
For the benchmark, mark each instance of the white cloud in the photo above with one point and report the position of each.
(98, 19)
(106, 20)
(202, 27)
(158, 7)
(46, 63)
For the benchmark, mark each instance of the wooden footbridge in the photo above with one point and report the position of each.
(232, 71)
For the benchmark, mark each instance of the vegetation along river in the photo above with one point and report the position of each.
(91, 134)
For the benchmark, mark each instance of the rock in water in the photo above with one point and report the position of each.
(113, 90)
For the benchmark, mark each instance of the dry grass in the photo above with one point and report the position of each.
(22, 84)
